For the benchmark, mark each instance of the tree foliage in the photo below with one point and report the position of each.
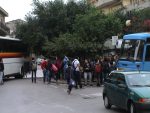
(75, 28)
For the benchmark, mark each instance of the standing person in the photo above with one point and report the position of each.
(65, 65)
(49, 71)
(106, 68)
(87, 72)
(70, 81)
(98, 72)
(1, 71)
(33, 69)
(76, 72)
(58, 64)
(43, 67)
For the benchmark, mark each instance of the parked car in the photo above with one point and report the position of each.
(127, 90)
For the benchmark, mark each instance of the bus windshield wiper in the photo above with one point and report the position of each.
(138, 85)
(147, 85)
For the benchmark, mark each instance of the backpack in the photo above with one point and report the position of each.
(98, 68)
(73, 66)
(34, 67)
(54, 68)
(106, 67)
(72, 82)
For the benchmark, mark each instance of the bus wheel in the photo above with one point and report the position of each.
(20, 75)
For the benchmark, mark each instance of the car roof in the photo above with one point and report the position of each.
(131, 72)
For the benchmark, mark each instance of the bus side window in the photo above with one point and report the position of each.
(147, 57)
(148, 41)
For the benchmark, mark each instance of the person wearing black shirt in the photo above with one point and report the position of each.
(1, 71)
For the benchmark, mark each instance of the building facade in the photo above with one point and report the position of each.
(12, 26)
(109, 6)
(4, 30)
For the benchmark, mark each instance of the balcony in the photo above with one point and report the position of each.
(4, 30)
(104, 3)
(140, 5)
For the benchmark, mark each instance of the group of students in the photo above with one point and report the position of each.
(70, 71)
(98, 69)
(76, 71)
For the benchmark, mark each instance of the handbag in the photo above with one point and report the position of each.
(72, 82)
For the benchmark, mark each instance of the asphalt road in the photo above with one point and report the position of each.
(22, 96)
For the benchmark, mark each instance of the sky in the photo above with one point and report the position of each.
(17, 9)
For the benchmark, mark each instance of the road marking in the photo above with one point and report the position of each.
(53, 86)
(90, 96)
(65, 107)
(97, 94)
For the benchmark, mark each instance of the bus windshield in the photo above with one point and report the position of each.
(132, 50)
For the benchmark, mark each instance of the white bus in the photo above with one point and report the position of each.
(12, 52)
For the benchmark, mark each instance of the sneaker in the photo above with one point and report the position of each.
(98, 85)
(68, 91)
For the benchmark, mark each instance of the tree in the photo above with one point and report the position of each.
(30, 34)
(140, 21)
(57, 18)
(48, 21)
(95, 28)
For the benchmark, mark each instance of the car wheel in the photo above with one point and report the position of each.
(107, 103)
(132, 108)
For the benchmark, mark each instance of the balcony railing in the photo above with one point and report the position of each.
(4, 28)
(140, 5)
(103, 3)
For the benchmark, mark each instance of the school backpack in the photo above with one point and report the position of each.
(98, 68)
(34, 66)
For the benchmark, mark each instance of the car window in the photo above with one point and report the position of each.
(120, 79)
(112, 78)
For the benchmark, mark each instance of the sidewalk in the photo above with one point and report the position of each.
(39, 74)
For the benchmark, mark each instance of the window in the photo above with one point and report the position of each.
(148, 41)
(112, 78)
(132, 50)
(120, 79)
(147, 57)
(11, 46)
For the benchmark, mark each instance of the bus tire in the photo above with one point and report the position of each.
(20, 75)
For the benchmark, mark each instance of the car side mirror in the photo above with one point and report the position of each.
(122, 86)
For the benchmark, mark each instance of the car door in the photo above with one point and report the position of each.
(121, 91)
(111, 87)
(147, 58)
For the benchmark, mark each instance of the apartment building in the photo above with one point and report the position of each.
(111, 5)
(4, 30)
(12, 26)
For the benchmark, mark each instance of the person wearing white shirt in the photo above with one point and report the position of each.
(76, 66)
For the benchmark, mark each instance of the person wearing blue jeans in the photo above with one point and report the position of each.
(49, 71)
(65, 62)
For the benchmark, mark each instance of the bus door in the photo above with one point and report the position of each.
(147, 58)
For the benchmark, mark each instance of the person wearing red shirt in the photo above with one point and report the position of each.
(43, 66)
(58, 64)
